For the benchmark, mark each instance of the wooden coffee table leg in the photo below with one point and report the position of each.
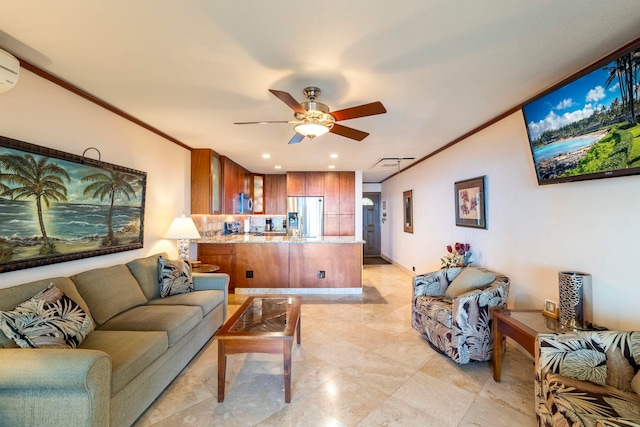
(222, 369)
(286, 355)
(298, 331)
(497, 350)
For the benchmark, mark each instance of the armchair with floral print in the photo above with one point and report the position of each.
(451, 310)
(588, 379)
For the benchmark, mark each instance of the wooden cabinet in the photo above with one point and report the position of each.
(222, 255)
(305, 183)
(262, 265)
(347, 193)
(325, 265)
(314, 184)
(275, 194)
(339, 206)
(296, 183)
(332, 193)
(206, 177)
(236, 180)
(257, 193)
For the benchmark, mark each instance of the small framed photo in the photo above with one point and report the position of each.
(470, 203)
(550, 309)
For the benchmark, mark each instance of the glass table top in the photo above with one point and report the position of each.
(265, 315)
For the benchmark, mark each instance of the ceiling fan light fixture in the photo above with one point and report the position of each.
(311, 130)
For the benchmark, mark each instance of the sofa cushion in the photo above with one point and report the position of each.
(109, 291)
(145, 270)
(206, 300)
(174, 277)
(11, 297)
(470, 278)
(49, 319)
(175, 320)
(131, 352)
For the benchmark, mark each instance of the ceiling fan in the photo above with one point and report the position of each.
(313, 118)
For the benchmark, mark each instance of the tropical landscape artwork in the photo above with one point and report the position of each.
(588, 128)
(56, 206)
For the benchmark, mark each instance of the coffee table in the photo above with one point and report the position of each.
(262, 324)
(522, 326)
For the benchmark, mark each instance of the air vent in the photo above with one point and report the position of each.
(389, 162)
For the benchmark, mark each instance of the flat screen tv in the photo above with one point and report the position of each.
(588, 128)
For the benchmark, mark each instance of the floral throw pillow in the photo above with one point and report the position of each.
(174, 276)
(50, 319)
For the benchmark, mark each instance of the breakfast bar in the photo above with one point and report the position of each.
(280, 264)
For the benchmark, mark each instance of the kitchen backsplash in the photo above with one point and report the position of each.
(213, 225)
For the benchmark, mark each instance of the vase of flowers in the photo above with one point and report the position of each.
(458, 255)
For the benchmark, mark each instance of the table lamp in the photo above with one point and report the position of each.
(182, 229)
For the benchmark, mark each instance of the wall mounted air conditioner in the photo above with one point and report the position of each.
(9, 71)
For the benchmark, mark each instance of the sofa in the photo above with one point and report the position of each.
(451, 310)
(136, 342)
(587, 379)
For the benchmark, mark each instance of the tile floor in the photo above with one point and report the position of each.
(360, 364)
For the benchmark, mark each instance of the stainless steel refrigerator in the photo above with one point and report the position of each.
(305, 216)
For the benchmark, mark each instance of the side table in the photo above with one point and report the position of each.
(522, 326)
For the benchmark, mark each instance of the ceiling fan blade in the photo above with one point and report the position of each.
(289, 100)
(296, 138)
(360, 111)
(264, 122)
(348, 132)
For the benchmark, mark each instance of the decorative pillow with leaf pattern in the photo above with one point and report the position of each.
(174, 276)
(50, 319)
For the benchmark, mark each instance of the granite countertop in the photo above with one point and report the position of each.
(250, 238)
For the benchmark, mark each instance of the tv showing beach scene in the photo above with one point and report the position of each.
(588, 128)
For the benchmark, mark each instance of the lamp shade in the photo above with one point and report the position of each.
(182, 228)
(311, 130)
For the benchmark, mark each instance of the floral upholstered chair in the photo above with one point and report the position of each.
(588, 379)
(451, 310)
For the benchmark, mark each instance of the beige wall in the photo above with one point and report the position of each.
(42, 113)
(533, 231)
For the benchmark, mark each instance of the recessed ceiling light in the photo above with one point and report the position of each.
(266, 156)
(332, 167)
(277, 167)
(334, 156)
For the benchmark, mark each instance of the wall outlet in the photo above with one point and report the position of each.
(413, 268)
(249, 274)
(321, 274)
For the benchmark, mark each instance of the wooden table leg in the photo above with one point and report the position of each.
(286, 355)
(497, 350)
(222, 369)
(298, 331)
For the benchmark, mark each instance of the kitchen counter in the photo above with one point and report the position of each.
(277, 264)
(266, 238)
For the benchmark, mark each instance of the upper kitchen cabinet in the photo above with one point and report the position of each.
(258, 193)
(347, 193)
(305, 183)
(275, 194)
(296, 183)
(205, 182)
(236, 180)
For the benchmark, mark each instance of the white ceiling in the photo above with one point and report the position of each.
(191, 68)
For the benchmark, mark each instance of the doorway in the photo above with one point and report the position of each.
(371, 224)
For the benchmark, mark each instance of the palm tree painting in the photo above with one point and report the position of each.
(56, 206)
(40, 179)
(107, 185)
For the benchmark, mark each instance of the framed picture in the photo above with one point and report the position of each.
(470, 203)
(57, 207)
(407, 197)
(550, 309)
